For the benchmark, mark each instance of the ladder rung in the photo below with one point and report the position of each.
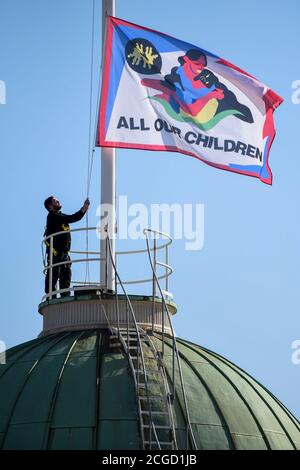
(143, 385)
(146, 358)
(131, 333)
(153, 398)
(157, 426)
(158, 443)
(148, 371)
(125, 329)
(133, 340)
(156, 413)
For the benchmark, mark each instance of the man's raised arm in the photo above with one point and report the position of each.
(69, 219)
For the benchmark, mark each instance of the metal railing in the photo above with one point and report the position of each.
(97, 257)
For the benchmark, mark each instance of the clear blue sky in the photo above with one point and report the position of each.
(238, 296)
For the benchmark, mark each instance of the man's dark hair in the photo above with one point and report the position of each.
(47, 202)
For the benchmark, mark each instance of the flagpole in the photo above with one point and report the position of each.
(108, 180)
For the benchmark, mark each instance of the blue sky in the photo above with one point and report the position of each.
(239, 295)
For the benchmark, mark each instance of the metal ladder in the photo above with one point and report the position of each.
(152, 402)
(190, 437)
(153, 397)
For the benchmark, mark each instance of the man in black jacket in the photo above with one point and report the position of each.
(58, 222)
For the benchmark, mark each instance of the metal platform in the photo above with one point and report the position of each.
(90, 311)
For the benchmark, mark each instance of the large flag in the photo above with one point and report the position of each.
(161, 93)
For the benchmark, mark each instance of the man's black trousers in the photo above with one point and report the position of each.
(62, 273)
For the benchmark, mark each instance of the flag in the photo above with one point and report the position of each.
(161, 93)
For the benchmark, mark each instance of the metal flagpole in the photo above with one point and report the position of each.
(108, 179)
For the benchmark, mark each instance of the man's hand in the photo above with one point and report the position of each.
(85, 206)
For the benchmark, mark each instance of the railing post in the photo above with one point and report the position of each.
(154, 259)
(127, 322)
(167, 272)
(153, 283)
(50, 268)
(173, 369)
(153, 301)
(138, 364)
(116, 295)
(162, 328)
(106, 264)
(150, 431)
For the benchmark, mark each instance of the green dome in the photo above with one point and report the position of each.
(73, 390)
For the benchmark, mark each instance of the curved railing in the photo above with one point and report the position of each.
(97, 257)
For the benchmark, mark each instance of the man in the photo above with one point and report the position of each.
(58, 222)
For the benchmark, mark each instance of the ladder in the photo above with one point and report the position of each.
(152, 391)
(155, 403)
